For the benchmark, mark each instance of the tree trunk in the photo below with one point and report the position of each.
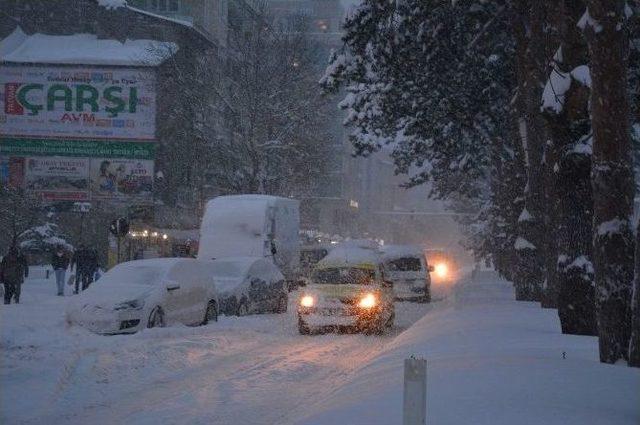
(550, 288)
(612, 176)
(570, 128)
(634, 345)
(531, 59)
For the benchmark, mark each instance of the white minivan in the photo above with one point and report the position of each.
(406, 267)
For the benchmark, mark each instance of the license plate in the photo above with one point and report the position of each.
(333, 312)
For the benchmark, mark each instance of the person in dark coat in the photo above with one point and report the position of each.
(13, 270)
(85, 260)
(60, 263)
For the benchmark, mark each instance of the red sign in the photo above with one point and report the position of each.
(11, 104)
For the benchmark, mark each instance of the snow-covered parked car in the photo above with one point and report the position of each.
(146, 294)
(347, 291)
(249, 285)
(406, 266)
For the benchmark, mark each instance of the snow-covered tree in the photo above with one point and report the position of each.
(18, 212)
(280, 132)
(44, 239)
(406, 68)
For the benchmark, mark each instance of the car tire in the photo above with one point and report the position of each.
(243, 308)
(390, 320)
(211, 313)
(156, 318)
(427, 295)
(303, 328)
(282, 304)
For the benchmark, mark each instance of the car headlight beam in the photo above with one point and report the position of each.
(442, 270)
(368, 301)
(307, 301)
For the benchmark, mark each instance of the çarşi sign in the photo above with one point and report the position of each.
(78, 101)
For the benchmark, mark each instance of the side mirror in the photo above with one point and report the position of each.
(431, 269)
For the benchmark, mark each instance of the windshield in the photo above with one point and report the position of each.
(312, 257)
(131, 274)
(406, 264)
(344, 276)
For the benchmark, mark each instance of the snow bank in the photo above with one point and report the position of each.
(491, 361)
(83, 49)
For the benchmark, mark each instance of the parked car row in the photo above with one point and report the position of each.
(249, 259)
(158, 292)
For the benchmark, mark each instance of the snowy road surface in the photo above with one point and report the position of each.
(250, 370)
(491, 360)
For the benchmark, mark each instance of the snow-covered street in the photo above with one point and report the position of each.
(249, 370)
(487, 354)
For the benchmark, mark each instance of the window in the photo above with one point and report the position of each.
(344, 276)
(174, 5)
(406, 264)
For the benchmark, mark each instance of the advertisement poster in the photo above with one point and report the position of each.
(78, 102)
(124, 179)
(58, 178)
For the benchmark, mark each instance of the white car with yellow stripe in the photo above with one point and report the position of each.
(347, 292)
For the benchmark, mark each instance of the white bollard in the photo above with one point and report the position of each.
(414, 408)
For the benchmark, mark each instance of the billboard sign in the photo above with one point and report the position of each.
(58, 178)
(122, 179)
(78, 102)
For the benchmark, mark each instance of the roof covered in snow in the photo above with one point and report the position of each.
(346, 255)
(392, 252)
(85, 49)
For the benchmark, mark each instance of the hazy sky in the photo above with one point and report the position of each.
(347, 3)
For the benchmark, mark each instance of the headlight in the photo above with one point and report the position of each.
(307, 301)
(130, 305)
(368, 301)
(442, 270)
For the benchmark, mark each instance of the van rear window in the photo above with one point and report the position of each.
(406, 264)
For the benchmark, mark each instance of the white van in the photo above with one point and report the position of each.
(406, 267)
(252, 226)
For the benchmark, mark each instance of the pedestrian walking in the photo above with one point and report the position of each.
(60, 263)
(13, 270)
(86, 263)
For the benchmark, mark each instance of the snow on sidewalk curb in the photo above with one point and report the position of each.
(491, 360)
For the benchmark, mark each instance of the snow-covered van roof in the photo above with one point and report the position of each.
(239, 225)
(392, 252)
(350, 256)
(83, 49)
